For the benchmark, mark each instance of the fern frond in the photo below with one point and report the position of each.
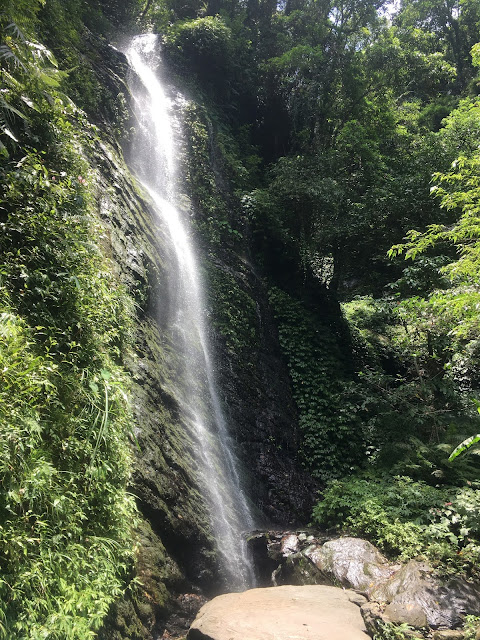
(7, 54)
(17, 32)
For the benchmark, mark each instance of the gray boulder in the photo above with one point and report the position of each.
(351, 563)
(415, 586)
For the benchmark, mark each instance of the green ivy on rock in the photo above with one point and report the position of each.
(234, 313)
(332, 439)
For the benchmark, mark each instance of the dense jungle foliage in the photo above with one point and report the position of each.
(350, 140)
(356, 129)
(65, 325)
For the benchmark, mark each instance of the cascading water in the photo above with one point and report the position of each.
(153, 159)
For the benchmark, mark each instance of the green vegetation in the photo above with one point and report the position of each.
(387, 631)
(65, 323)
(332, 438)
(215, 175)
(331, 142)
(213, 219)
(407, 518)
(366, 131)
(234, 314)
(471, 627)
(207, 43)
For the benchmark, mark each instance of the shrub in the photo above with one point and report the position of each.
(407, 518)
(204, 46)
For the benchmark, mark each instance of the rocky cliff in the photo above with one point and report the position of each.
(176, 554)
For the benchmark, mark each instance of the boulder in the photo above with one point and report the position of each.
(414, 586)
(376, 620)
(411, 614)
(314, 612)
(351, 563)
(408, 579)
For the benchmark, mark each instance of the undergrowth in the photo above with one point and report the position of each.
(411, 500)
(407, 518)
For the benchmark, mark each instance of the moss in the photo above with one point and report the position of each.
(210, 160)
(234, 313)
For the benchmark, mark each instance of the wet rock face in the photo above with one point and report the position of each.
(255, 385)
(164, 475)
(177, 553)
(251, 371)
(185, 608)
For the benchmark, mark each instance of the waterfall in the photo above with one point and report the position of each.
(153, 159)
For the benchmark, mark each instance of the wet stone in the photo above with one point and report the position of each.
(448, 634)
(411, 614)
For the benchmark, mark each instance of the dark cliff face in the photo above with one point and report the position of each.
(176, 552)
(256, 388)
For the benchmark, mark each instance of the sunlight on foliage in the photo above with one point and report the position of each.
(407, 518)
(65, 323)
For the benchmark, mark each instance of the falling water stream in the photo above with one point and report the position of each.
(153, 158)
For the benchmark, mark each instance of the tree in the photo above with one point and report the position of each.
(454, 23)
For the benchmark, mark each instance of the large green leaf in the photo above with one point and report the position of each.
(463, 446)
